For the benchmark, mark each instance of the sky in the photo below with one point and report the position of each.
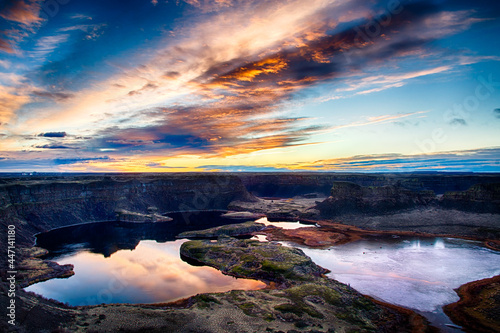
(239, 85)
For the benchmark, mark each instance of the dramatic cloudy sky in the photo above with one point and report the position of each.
(204, 85)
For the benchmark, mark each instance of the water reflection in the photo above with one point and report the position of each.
(125, 263)
(151, 273)
(415, 273)
(109, 237)
(284, 225)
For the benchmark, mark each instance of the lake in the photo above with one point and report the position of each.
(416, 273)
(123, 262)
(117, 262)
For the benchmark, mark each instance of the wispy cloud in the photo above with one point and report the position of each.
(480, 160)
(11, 100)
(226, 81)
(47, 45)
(5, 64)
(211, 5)
(54, 146)
(81, 17)
(92, 31)
(5, 46)
(483, 159)
(25, 12)
(56, 96)
(378, 120)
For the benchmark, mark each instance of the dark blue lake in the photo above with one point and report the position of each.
(118, 262)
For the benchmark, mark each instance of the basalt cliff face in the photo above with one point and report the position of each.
(40, 204)
(287, 185)
(481, 198)
(347, 197)
(351, 198)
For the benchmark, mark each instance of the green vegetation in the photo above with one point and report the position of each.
(225, 230)
(204, 301)
(252, 259)
(250, 309)
(303, 296)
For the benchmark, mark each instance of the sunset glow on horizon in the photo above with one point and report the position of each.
(233, 85)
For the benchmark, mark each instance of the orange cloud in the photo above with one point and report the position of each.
(10, 102)
(266, 66)
(19, 11)
(5, 46)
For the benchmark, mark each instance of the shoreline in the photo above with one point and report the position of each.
(478, 299)
(417, 322)
(352, 233)
(330, 234)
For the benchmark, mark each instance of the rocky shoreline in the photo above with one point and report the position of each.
(478, 309)
(32, 269)
(37, 205)
(307, 298)
(254, 303)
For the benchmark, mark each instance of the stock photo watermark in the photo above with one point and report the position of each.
(204, 197)
(11, 274)
(458, 114)
(50, 8)
(373, 29)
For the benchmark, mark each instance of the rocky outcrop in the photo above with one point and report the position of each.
(38, 204)
(123, 215)
(348, 198)
(33, 269)
(242, 215)
(287, 185)
(239, 229)
(269, 262)
(478, 309)
(480, 198)
(280, 210)
(301, 294)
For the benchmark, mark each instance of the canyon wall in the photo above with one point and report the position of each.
(481, 198)
(287, 185)
(348, 197)
(37, 204)
(351, 198)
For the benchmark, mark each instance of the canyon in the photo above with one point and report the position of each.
(463, 205)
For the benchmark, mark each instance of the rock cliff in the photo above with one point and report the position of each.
(480, 198)
(351, 198)
(348, 197)
(287, 185)
(39, 204)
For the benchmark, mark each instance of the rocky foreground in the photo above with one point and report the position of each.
(478, 309)
(299, 298)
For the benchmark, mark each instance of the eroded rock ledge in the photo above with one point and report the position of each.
(301, 295)
(239, 229)
(32, 269)
(478, 309)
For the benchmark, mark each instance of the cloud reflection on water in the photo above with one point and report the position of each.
(153, 272)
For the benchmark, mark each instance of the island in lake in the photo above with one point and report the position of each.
(272, 249)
